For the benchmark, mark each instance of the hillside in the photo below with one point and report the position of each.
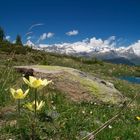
(61, 117)
(120, 61)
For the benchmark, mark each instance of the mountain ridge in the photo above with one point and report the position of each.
(103, 51)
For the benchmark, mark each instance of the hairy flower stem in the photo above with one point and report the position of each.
(35, 103)
(33, 132)
(18, 107)
(35, 115)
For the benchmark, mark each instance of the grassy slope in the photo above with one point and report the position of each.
(70, 122)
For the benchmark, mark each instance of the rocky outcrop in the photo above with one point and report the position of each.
(77, 85)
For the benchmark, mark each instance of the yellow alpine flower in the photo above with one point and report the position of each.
(36, 83)
(31, 106)
(138, 118)
(19, 94)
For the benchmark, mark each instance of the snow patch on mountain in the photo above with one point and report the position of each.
(100, 48)
(87, 46)
(136, 48)
(30, 43)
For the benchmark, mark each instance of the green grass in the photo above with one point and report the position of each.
(70, 120)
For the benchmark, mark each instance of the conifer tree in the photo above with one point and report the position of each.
(18, 40)
(2, 34)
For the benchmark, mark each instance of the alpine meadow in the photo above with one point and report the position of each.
(74, 75)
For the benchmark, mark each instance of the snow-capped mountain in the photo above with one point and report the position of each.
(75, 48)
(93, 47)
(29, 43)
(99, 51)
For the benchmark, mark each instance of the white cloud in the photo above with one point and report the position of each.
(45, 36)
(29, 37)
(49, 35)
(72, 33)
(7, 37)
(111, 40)
(136, 47)
(99, 43)
(28, 33)
(35, 25)
(87, 45)
(95, 42)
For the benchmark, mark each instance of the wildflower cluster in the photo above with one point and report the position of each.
(34, 105)
(35, 83)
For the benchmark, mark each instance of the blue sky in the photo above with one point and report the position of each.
(88, 18)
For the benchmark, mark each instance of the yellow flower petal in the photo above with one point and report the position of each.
(31, 106)
(26, 81)
(46, 82)
(32, 79)
(26, 92)
(138, 118)
(19, 91)
(12, 91)
(18, 94)
(40, 105)
(36, 83)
